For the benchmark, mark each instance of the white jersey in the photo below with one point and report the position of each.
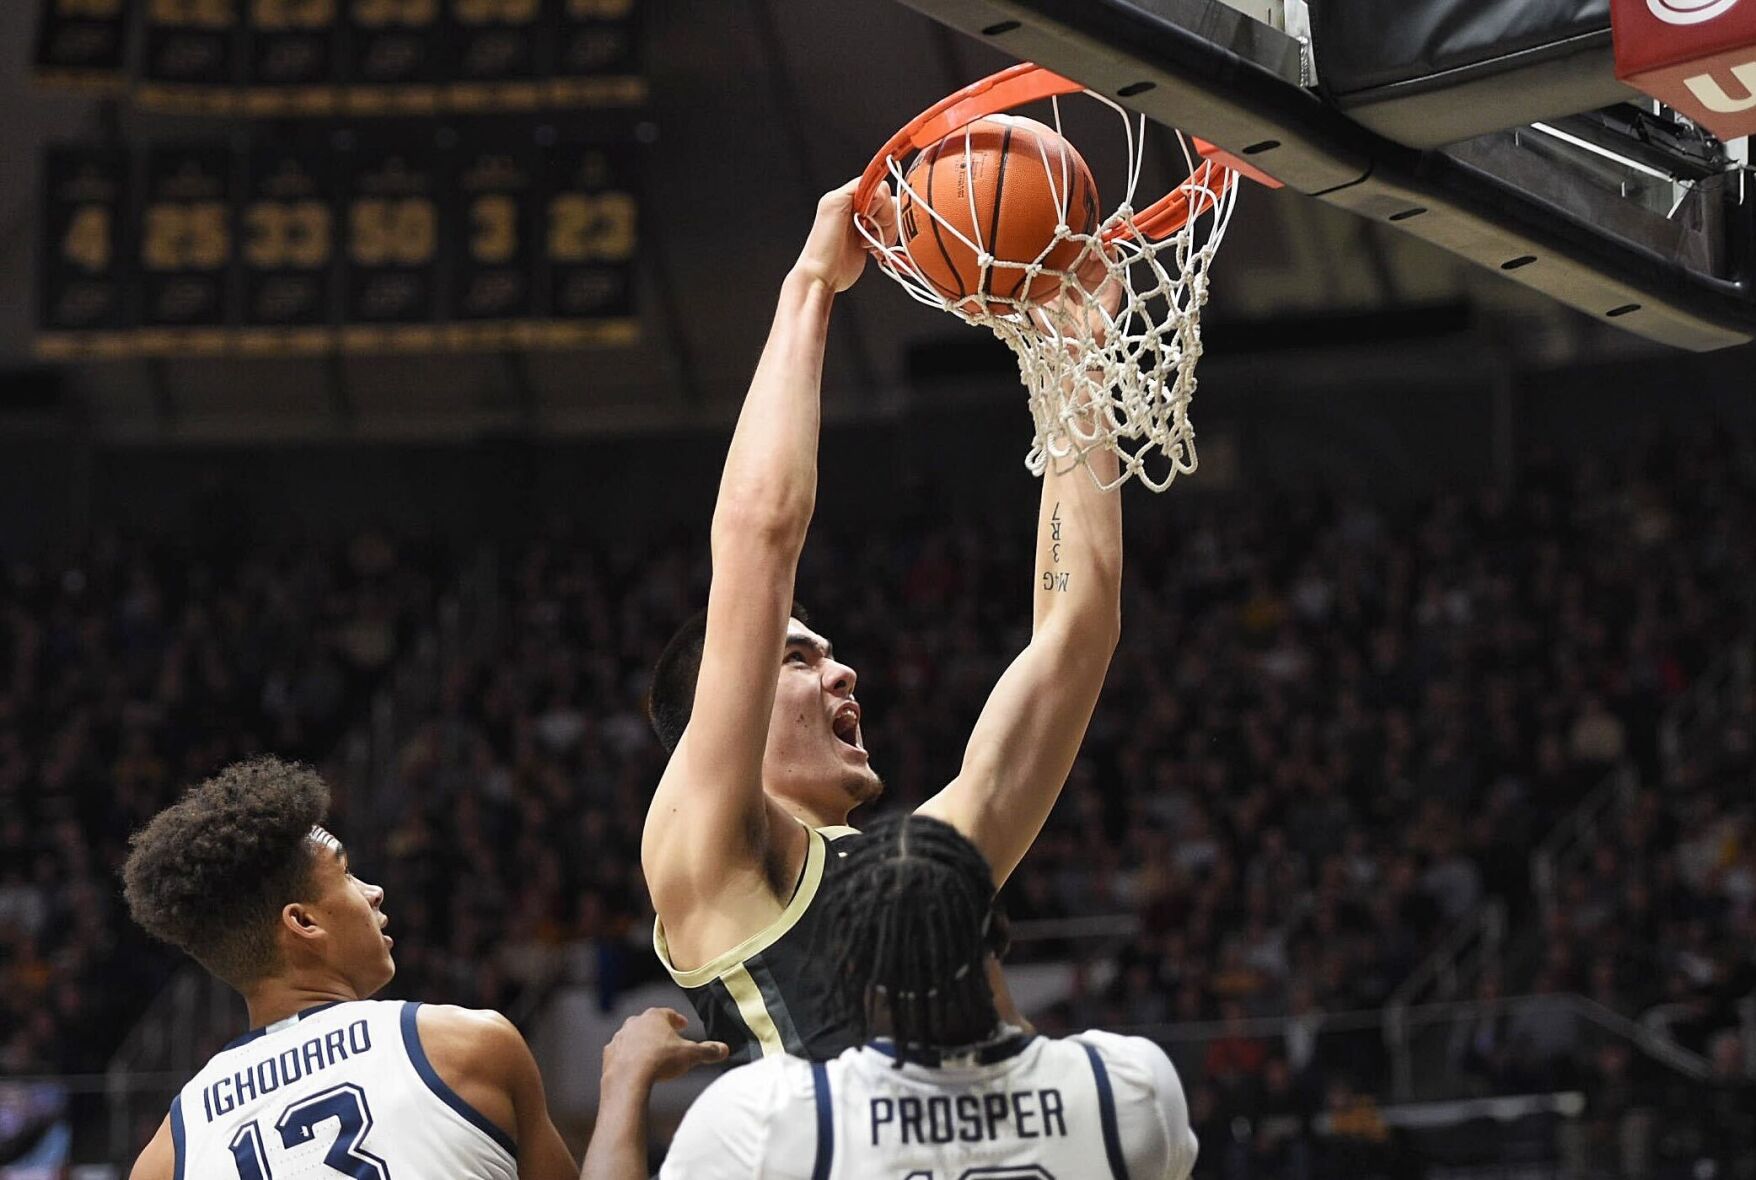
(1029, 1108)
(340, 1090)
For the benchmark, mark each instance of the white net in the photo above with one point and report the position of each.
(1109, 359)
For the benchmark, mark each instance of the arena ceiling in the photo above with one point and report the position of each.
(757, 107)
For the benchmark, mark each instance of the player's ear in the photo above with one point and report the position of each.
(300, 922)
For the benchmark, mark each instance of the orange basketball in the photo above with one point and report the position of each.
(1002, 183)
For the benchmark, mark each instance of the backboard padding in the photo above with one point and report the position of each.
(1202, 66)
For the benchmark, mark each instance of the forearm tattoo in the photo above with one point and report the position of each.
(1055, 579)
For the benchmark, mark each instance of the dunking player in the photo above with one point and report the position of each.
(950, 1090)
(328, 1083)
(767, 755)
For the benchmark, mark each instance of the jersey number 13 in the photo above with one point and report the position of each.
(296, 1126)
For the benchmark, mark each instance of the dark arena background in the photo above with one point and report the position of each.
(366, 369)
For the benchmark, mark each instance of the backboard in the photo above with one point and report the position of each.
(1511, 144)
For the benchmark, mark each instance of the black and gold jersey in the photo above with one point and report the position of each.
(770, 993)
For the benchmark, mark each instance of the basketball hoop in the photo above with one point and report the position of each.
(1111, 364)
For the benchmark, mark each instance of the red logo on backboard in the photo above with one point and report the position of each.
(1689, 12)
(1697, 56)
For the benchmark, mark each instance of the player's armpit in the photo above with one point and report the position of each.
(483, 1058)
(694, 889)
(158, 1160)
(1024, 744)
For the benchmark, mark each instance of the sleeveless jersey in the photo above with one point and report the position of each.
(340, 1090)
(770, 993)
(1029, 1108)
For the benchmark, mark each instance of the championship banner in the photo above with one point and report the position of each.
(491, 297)
(290, 57)
(597, 54)
(497, 49)
(189, 55)
(82, 44)
(392, 242)
(300, 245)
(276, 58)
(83, 275)
(590, 235)
(393, 57)
(185, 250)
(287, 252)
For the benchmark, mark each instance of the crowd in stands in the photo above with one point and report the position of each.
(128, 671)
(1660, 921)
(1330, 732)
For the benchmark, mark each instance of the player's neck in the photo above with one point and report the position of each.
(817, 816)
(275, 999)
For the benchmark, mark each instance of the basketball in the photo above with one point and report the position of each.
(1001, 183)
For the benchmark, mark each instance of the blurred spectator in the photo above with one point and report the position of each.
(1614, 1136)
(1360, 1144)
(1711, 1133)
(1731, 1127)
(1235, 1059)
(1480, 1049)
(1282, 1143)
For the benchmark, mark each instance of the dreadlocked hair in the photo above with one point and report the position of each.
(908, 919)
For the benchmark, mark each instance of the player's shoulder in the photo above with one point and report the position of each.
(485, 1023)
(476, 1041)
(1121, 1043)
(781, 1073)
(1134, 1059)
(756, 1119)
(1118, 1044)
(1140, 1075)
(766, 1086)
(755, 1095)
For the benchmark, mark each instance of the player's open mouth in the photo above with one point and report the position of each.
(846, 725)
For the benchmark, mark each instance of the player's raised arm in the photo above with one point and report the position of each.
(709, 820)
(1029, 732)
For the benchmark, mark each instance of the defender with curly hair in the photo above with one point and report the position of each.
(242, 876)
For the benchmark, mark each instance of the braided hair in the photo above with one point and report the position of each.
(908, 927)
